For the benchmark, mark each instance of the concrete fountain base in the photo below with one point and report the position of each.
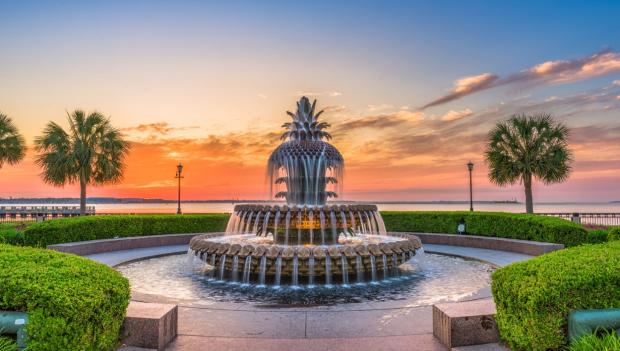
(256, 256)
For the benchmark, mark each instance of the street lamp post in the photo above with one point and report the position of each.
(470, 167)
(179, 176)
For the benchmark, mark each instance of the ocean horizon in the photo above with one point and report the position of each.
(216, 206)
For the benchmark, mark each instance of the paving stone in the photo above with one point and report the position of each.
(390, 322)
(227, 323)
(425, 342)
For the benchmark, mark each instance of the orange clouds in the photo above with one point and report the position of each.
(409, 162)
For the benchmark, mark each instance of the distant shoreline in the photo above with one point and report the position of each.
(106, 200)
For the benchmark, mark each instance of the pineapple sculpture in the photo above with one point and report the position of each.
(304, 165)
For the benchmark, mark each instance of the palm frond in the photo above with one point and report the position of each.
(12, 143)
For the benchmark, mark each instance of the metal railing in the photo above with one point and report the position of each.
(40, 213)
(599, 219)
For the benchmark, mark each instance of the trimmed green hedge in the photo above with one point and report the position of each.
(12, 233)
(597, 236)
(613, 234)
(534, 297)
(104, 227)
(497, 224)
(72, 303)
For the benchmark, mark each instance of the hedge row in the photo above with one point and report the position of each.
(105, 227)
(497, 224)
(534, 297)
(72, 303)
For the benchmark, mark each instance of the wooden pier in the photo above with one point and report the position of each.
(40, 213)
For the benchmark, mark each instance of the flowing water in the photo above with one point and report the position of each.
(424, 280)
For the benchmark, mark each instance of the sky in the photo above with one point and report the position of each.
(411, 89)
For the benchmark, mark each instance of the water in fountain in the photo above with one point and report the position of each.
(263, 269)
(345, 270)
(235, 269)
(385, 266)
(222, 266)
(359, 270)
(395, 265)
(278, 271)
(322, 223)
(302, 237)
(299, 228)
(287, 223)
(328, 270)
(213, 260)
(295, 275)
(332, 218)
(311, 271)
(373, 269)
(246, 269)
(275, 226)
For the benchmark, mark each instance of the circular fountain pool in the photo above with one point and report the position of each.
(427, 279)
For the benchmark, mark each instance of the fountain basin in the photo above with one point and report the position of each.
(259, 257)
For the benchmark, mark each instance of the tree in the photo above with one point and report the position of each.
(12, 144)
(91, 152)
(524, 147)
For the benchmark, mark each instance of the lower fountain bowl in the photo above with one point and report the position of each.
(254, 258)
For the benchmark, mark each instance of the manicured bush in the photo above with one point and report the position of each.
(608, 341)
(72, 303)
(12, 233)
(534, 297)
(104, 227)
(613, 234)
(497, 224)
(597, 236)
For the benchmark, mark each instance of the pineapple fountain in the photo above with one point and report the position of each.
(308, 240)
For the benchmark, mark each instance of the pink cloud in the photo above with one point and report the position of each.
(465, 86)
(456, 115)
(555, 72)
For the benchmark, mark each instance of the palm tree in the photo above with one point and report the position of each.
(12, 144)
(528, 146)
(91, 152)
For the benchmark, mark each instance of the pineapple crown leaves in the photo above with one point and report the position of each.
(305, 124)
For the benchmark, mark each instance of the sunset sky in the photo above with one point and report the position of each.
(411, 89)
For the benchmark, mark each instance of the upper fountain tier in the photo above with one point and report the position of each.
(305, 169)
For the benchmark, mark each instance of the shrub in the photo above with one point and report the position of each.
(534, 297)
(104, 227)
(72, 303)
(597, 236)
(613, 234)
(497, 224)
(12, 233)
(608, 341)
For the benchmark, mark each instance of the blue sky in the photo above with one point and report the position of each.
(212, 73)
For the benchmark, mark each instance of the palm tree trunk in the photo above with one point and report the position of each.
(529, 201)
(82, 196)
